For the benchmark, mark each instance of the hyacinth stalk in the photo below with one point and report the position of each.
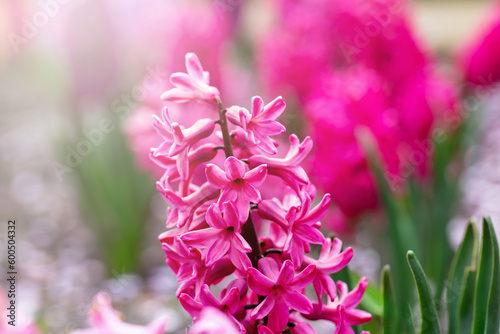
(246, 216)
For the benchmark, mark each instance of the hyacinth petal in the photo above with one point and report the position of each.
(190, 305)
(303, 328)
(177, 95)
(257, 106)
(269, 267)
(241, 244)
(214, 217)
(270, 128)
(286, 273)
(259, 283)
(235, 169)
(250, 194)
(232, 300)
(183, 164)
(231, 215)
(264, 329)
(357, 317)
(274, 108)
(297, 301)
(354, 297)
(263, 308)
(269, 209)
(183, 81)
(341, 325)
(257, 175)
(309, 234)
(218, 249)
(243, 206)
(201, 238)
(158, 326)
(320, 210)
(239, 259)
(194, 68)
(207, 298)
(304, 278)
(216, 176)
(278, 316)
(238, 116)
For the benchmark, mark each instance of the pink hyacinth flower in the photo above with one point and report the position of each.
(178, 140)
(104, 319)
(348, 301)
(191, 86)
(300, 223)
(261, 123)
(221, 237)
(301, 328)
(280, 288)
(213, 321)
(331, 260)
(237, 184)
(287, 168)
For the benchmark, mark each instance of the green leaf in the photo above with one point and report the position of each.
(466, 302)
(430, 320)
(493, 315)
(390, 319)
(483, 282)
(465, 256)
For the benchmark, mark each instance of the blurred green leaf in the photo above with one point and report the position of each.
(493, 315)
(430, 319)
(465, 257)
(390, 315)
(484, 281)
(466, 302)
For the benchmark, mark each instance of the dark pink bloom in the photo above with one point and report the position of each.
(287, 168)
(229, 304)
(480, 59)
(191, 86)
(331, 260)
(347, 301)
(261, 123)
(280, 288)
(178, 141)
(299, 222)
(221, 237)
(238, 185)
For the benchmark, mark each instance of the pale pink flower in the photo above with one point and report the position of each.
(237, 184)
(213, 321)
(105, 320)
(280, 288)
(191, 86)
(221, 237)
(261, 123)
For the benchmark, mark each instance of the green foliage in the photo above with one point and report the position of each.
(473, 290)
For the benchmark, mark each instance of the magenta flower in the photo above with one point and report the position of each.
(287, 168)
(300, 223)
(348, 301)
(280, 288)
(237, 184)
(221, 237)
(178, 141)
(104, 319)
(331, 260)
(193, 86)
(261, 123)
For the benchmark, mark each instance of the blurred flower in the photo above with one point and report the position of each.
(105, 320)
(480, 58)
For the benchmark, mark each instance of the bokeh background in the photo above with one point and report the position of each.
(79, 80)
